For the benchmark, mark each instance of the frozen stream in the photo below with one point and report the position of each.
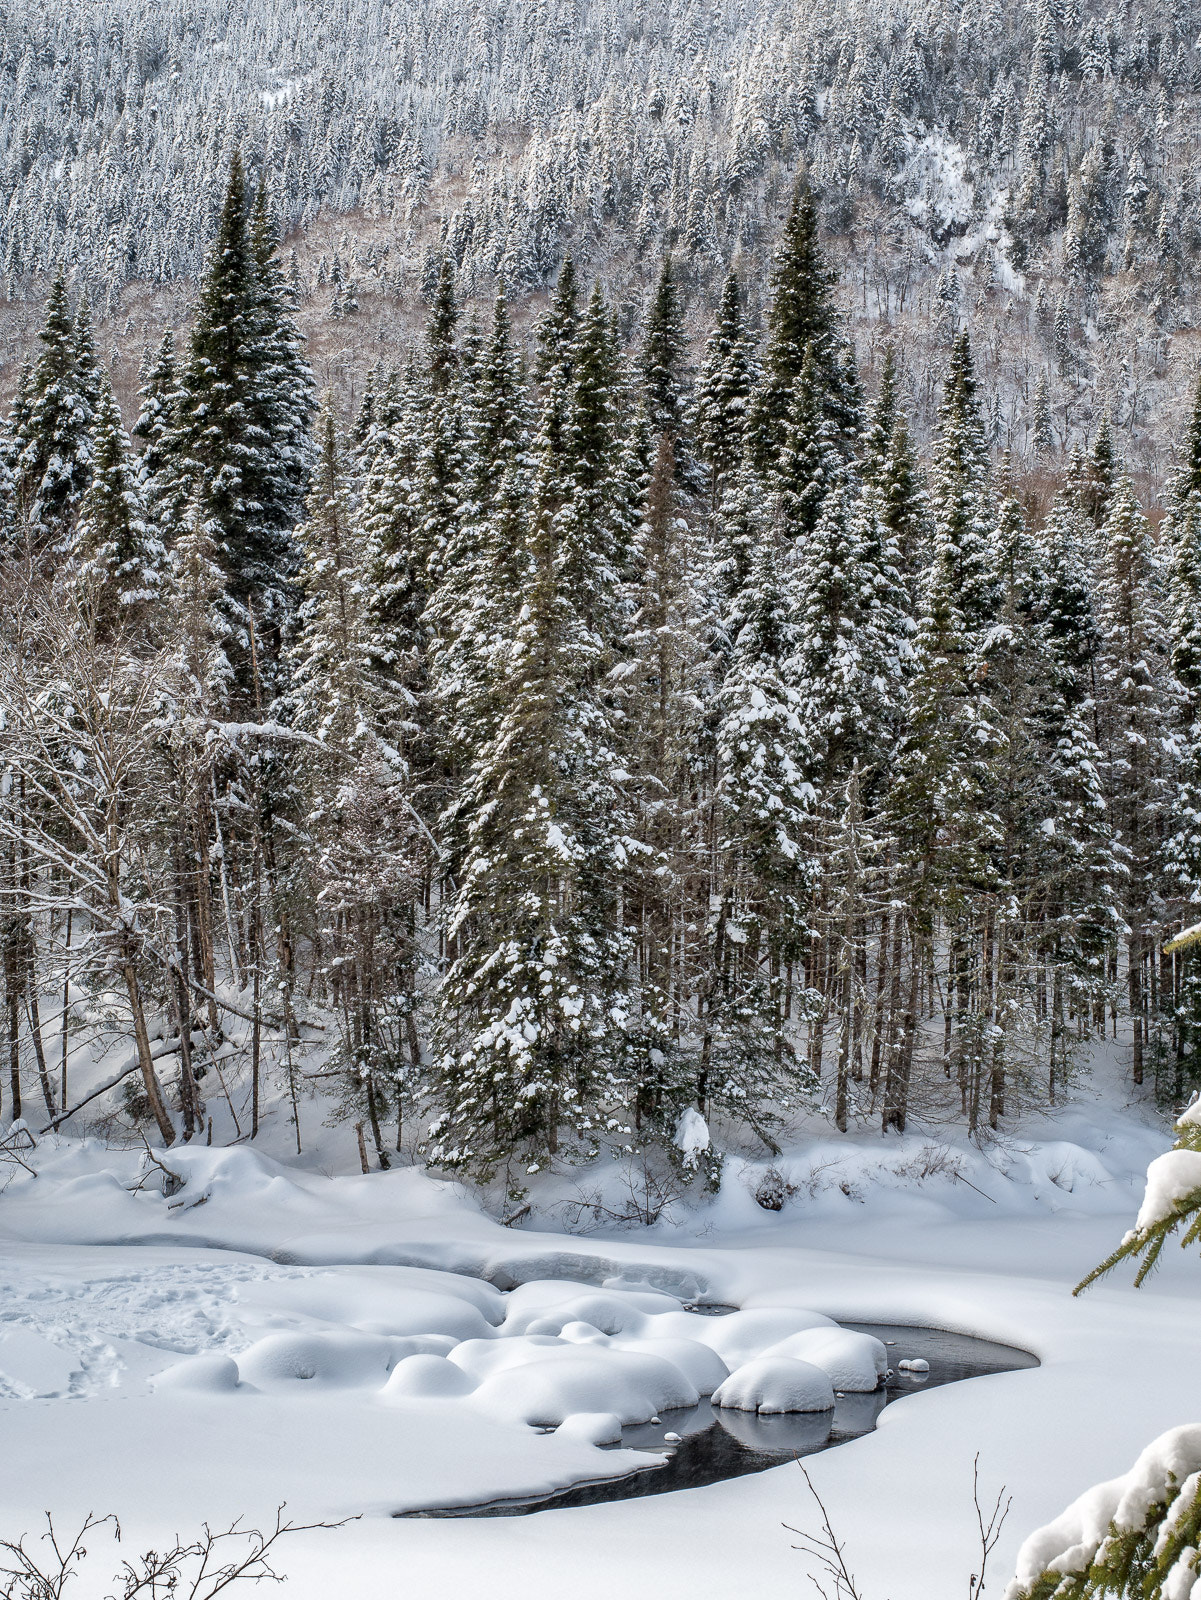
(716, 1442)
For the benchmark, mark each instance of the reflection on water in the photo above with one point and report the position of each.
(717, 1443)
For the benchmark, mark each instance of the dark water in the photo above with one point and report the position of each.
(717, 1443)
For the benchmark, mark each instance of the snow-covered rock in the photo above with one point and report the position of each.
(591, 1427)
(207, 1374)
(702, 1366)
(776, 1384)
(327, 1360)
(427, 1378)
(854, 1362)
(634, 1386)
(745, 1334)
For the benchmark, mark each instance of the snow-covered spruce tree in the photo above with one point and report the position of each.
(1183, 845)
(471, 614)
(394, 554)
(1055, 917)
(438, 475)
(763, 819)
(808, 465)
(196, 752)
(803, 315)
(115, 560)
(1080, 876)
(942, 808)
(239, 441)
(156, 423)
(51, 428)
(853, 639)
(664, 682)
(1137, 706)
(664, 370)
(723, 392)
(361, 846)
(531, 1013)
(890, 465)
(853, 644)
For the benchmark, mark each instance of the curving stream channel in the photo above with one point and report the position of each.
(716, 1443)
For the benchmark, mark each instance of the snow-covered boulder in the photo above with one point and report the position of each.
(635, 1387)
(328, 1360)
(854, 1362)
(745, 1334)
(427, 1378)
(206, 1374)
(609, 1313)
(702, 1366)
(591, 1427)
(480, 1358)
(775, 1384)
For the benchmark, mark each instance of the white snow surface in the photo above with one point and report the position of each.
(361, 1345)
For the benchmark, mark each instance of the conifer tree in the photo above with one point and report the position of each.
(942, 807)
(327, 693)
(664, 367)
(809, 466)
(1183, 845)
(52, 427)
(666, 683)
(155, 425)
(115, 559)
(1135, 717)
(803, 315)
(723, 393)
(240, 437)
(532, 1008)
(890, 466)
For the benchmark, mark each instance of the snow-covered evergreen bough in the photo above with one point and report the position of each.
(1138, 1535)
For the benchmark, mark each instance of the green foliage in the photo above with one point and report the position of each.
(1145, 1244)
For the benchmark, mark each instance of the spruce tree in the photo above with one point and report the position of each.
(532, 1009)
(664, 367)
(943, 804)
(1135, 715)
(1183, 844)
(240, 441)
(115, 561)
(803, 316)
(155, 425)
(723, 393)
(52, 427)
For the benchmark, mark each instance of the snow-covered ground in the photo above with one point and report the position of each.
(352, 1344)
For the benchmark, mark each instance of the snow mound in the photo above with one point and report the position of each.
(480, 1358)
(582, 1333)
(634, 1387)
(209, 1374)
(854, 1362)
(329, 1360)
(702, 1366)
(548, 1306)
(776, 1384)
(591, 1427)
(743, 1335)
(396, 1300)
(427, 1377)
